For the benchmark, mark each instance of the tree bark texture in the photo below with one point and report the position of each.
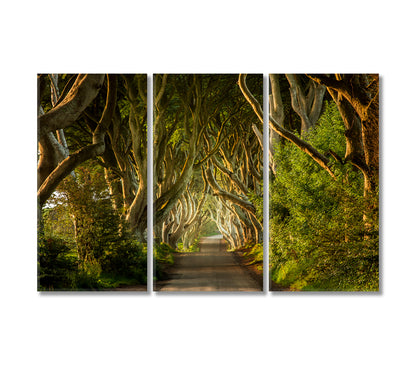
(97, 147)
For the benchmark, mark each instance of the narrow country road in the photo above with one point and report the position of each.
(211, 269)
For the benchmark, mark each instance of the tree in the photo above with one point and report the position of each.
(206, 156)
(356, 96)
(109, 128)
(318, 239)
(92, 163)
(100, 238)
(356, 100)
(52, 166)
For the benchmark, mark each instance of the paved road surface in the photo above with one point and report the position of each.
(211, 269)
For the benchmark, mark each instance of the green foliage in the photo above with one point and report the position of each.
(58, 222)
(163, 257)
(257, 253)
(81, 215)
(87, 201)
(209, 229)
(88, 276)
(192, 248)
(57, 265)
(318, 238)
(126, 258)
(124, 106)
(257, 201)
(254, 254)
(177, 137)
(163, 253)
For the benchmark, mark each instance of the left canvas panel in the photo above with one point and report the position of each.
(91, 180)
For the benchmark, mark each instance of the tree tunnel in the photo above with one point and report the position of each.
(208, 161)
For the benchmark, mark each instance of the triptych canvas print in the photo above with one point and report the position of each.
(237, 203)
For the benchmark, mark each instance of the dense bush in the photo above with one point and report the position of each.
(318, 238)
(88, 275)
(126, 258)
(163, 253)
(94, 233)
(162, 257)
(192, 248)
(57, 265)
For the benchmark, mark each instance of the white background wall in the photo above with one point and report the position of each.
(284, 333)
